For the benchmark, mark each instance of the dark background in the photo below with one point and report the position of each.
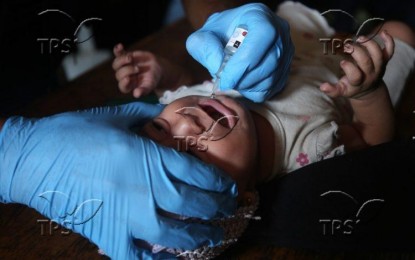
(26, 73)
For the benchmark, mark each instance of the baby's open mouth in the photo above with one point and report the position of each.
(218, 112)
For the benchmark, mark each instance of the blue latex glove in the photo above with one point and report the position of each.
(259, 69)
(89, 172)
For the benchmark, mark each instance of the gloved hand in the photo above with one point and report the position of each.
(89, 172)
(259, 68)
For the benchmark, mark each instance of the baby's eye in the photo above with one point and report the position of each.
(157, 126)
(157, 130)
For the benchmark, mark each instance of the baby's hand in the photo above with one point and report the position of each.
(365, 72)
(136, 71)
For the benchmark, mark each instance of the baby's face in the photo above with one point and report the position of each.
(218, 131)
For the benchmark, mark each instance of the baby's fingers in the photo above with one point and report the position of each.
(121, 61)
(389, 45)
(126, 84)
(141, 91)
(118, 50)
(140, 85)
(332, 90)
(126, 71)
(375, 53)
(363, 61)
(136, 57)
(143, 56)
(353, 73)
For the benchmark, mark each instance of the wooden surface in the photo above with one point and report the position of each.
(21, 233)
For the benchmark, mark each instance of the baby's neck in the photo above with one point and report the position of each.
(266, 147)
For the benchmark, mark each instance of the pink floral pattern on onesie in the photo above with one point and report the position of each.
(302, 159)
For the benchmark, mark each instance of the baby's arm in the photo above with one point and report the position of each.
(373, 120)
(141, 72)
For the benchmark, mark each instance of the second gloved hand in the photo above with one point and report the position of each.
(259, 69)
(91, 173)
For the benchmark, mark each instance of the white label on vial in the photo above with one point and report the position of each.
(237, 38)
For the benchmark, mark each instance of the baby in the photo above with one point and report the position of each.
(321, 112)
(325, 109)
